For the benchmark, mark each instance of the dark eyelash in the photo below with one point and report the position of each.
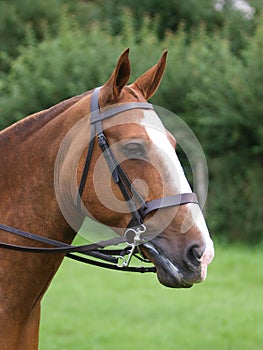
(134, 150)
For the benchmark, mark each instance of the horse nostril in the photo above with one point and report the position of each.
(194, 254)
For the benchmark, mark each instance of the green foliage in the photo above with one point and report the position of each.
(235, 200)
(16, 15)
(68, 64)
(222, 104)
(215, 87)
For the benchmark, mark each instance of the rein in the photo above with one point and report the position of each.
(117, 259)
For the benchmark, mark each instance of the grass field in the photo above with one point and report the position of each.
(90, 308)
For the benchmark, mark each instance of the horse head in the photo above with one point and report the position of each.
(178, 241)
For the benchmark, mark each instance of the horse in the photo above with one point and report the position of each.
(152, 198)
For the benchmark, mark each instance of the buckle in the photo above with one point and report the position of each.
(133, 239)
(133, 235)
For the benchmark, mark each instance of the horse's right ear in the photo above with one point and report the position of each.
(149, 82)
(112, 89)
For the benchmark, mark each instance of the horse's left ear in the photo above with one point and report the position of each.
(149, 82)
(111, 90)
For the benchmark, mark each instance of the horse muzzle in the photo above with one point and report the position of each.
(191, 269)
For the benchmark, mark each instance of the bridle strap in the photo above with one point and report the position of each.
(86, 166)
(166, 202)
(97, 115)
(122, 180)
(60, 247)
(89, 249)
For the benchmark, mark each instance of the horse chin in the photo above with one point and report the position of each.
(169, 274)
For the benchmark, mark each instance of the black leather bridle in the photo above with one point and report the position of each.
(117, 259)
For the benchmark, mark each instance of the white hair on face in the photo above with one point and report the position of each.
(158, 136)
(177, 180)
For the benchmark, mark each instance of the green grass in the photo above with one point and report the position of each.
(91, 308)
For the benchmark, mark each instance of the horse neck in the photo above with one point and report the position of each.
(29, 152)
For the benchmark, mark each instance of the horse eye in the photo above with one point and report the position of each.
(134, 150)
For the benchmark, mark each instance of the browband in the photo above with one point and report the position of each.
(97, 115)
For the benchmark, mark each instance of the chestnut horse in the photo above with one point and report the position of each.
(180, 246)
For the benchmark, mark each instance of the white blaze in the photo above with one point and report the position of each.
(177, 181)
(173, 169)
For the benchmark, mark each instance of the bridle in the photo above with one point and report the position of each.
(117, 259)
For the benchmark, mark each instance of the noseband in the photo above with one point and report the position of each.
(118, 259)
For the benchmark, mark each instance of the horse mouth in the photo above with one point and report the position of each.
(169, 273)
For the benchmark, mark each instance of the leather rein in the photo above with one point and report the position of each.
(116, 259)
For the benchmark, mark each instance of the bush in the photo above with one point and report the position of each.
(222, 104)
(16, 15)
(71, 62)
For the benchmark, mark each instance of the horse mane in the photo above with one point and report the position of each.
(35, 121)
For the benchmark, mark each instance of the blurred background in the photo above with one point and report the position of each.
(53, 49)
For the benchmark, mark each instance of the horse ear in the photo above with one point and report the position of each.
(150, 80)
(111, 90)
